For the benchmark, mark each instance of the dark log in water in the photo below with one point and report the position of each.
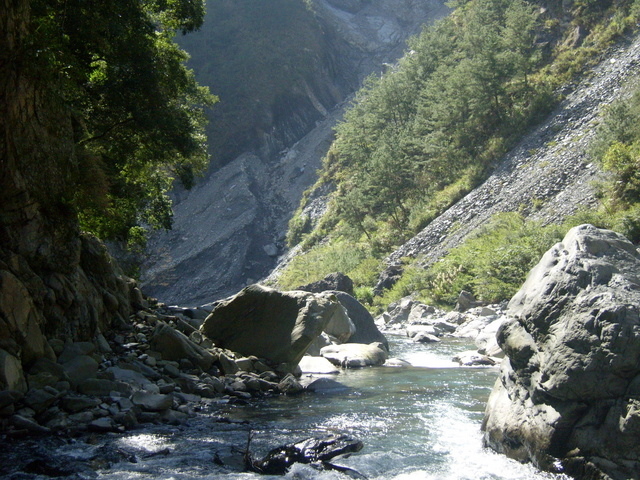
(316, 451)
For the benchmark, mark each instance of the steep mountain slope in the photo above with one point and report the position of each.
(229, 230)
(547, 175)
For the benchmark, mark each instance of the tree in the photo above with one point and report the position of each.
(136, 110)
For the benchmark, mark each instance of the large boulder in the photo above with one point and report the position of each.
(366, 330)
(568, 395)
(334, 281)
(174, 345)
(278, 326)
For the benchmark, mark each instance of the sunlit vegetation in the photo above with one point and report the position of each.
(422, 135)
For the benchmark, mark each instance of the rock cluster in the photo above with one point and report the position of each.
(158, 368)
(76, 301)
(567, 397)
(427, 324)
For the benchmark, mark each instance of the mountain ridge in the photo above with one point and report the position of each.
(190, 263)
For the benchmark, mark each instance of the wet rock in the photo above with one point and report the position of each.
(126, 418)
(414, 330)
(104, 424)
(152, 402)
(312, 450)
(324, 385)
(81, 418)
(355, 355)
(173, 417)
(396, 362)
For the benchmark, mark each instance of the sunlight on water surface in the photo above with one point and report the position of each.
(416, 423)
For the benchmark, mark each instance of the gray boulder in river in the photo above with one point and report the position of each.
(568, 395)
(278, 326)
(366, 330)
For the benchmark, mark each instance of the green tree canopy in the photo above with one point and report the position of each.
(137, 111)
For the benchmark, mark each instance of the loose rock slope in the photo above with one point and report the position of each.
(548, 175)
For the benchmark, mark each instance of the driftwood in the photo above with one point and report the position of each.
(314, 451)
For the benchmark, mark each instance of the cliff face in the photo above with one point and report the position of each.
(230, 229)
(54, 283)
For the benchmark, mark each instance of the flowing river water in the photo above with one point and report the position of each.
(420, 422)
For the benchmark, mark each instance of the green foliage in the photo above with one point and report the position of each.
(617, 148)
(491, 264)
(299, 225)
(438, 119)
(422, 135)
(320, 261)
(137, 111)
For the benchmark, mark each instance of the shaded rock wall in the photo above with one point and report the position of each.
(54, 283)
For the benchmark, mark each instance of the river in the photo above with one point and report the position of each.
(420, 422)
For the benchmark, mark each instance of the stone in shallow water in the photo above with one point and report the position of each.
(319, 365)
(355, 355)
(325, 385)
(311, 450)
(471, 358)
(152, 402)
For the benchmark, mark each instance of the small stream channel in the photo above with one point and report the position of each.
(420, 422)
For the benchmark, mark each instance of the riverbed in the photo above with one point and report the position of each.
(420, 422)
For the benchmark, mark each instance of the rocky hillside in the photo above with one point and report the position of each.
(230, 229)
(548, 175)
